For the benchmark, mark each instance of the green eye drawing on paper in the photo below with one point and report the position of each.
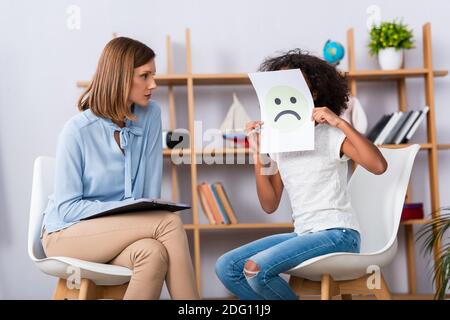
(286, 108)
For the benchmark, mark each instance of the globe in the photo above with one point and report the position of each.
(333, 52)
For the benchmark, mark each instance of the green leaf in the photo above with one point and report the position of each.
(432, 233)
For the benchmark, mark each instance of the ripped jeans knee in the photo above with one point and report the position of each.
(251, 269)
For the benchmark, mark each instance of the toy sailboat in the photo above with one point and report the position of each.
(233, 127)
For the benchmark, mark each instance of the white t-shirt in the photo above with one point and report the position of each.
(316, 182)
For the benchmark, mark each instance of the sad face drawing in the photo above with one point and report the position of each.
(286, 108)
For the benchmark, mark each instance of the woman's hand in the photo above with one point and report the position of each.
(252, 129)
(325, 115)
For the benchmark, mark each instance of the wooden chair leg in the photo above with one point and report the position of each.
(114, 292)
(60, 290)
(296, 284)
(383, 293)
(88, 290)
(325, 287)
(328, 287)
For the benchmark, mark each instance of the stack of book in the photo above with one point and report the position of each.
(397, 128)
(215, 203)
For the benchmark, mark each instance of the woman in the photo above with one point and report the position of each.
(109, 152)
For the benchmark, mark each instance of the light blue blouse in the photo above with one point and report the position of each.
(93, 175)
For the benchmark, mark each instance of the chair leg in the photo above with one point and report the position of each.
(325, 287)
(88, 290)
(60, 290)
(114, 292)
(328, 288)
(296, 284)
(383, 293)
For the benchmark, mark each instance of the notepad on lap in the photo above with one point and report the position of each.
(136, 205)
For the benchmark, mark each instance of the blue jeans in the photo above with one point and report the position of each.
(276, 254)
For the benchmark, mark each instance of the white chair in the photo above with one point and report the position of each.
(378, 202)
(95, 280)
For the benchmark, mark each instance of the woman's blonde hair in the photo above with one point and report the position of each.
(107, 94)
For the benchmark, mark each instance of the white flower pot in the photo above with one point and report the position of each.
(390, 58)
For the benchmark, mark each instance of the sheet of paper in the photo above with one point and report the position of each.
(286, 107)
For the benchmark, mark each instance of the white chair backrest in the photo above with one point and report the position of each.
(378, 199)
(43, 184)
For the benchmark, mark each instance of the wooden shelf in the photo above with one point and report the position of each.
(161, 80)
(377, 75)
(184, 152)
(229, 151)
(399, 146)
(243, 79)
(239, 226)
(415, 221)
(263, 226)
(256, 226)
(443, 146)
(221, 79)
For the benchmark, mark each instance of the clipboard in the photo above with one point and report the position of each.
(136, 205)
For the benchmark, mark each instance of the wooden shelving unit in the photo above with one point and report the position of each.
(399, 78)
(191, 80)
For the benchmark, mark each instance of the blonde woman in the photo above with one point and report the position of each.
(109, 152)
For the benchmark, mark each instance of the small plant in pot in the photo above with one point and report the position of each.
(389, 40)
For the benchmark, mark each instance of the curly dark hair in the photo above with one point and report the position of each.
(328, 86)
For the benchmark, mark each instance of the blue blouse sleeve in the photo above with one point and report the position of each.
(68, 194)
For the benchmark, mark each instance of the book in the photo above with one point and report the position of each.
(416, 124)
(212, 202)
(392, 121)
(224, 215)
(401, 121)
(375, 131)
(144, 204)
(226, 202)
(205, 206)
(412, 211)
(400, 137)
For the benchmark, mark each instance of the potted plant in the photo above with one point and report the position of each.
(388, 40)
(433, 232)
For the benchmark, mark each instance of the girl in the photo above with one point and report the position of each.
(316, 182)
(109, 152)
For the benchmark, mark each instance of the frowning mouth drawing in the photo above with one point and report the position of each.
(292, 112)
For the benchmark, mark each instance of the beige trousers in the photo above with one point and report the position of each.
(152, 244)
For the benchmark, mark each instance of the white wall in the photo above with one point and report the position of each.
(41, 60)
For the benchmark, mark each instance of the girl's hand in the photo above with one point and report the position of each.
(252, 130)
(325, 115)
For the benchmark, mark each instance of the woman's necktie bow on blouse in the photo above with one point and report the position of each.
(126, 136)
